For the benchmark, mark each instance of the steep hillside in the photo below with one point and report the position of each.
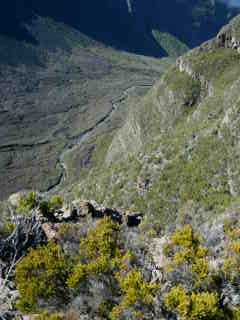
(54, 92)
(178, 150)
(161, 239)
(63, 94)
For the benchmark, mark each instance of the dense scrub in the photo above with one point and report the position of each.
(196, 286)
(47, 273)
(108, 278)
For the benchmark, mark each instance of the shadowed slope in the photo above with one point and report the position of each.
(51, 93)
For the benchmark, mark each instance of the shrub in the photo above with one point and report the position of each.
(236, 314)
(56, 202)
(199, 299)
(102, 254)
(178, 301)
(231, 267)
(41, 275)
(193, 306)
(47, 316)
(27, 203)
(49, 207)
(204, 305)
(137, 294)
(185, 250)
(98, 252)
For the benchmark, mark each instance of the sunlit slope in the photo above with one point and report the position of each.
(179, 147)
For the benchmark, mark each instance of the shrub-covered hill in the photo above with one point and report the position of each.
(79, 260)
(179, 147)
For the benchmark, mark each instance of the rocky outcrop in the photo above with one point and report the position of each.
(184, 65)
(229, 35)
(86, 212)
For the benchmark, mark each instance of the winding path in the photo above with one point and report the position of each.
(77, 141)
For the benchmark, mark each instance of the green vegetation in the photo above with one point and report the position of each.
(49, 207)
(41, 275)
(182, 163)
(193, 306)
(231, 267)
(136, 292)
(195, 293)
(186, 152)
(98, 254)
(186, 251)
(47, 316)
(32, 201)
(6, 229)
(101, 254)
(48, 273)
(190, 288)
(173, 46)
(183, 85)
(27, 203)
(212, 65)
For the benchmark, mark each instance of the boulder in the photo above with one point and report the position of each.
(114, 214)
(82, 209)
(134, 219)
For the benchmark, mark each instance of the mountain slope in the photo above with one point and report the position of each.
(173, 164)
(126, 24)
(180, 143)
(63, 94)
(53, 92)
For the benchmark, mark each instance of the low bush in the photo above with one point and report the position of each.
(193, 306)
(42, 275)
(27, 203)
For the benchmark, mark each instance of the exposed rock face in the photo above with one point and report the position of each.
(229, 36)
(84, 211)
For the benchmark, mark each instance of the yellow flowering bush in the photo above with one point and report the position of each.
(27, 203)
(185, 250)
(41, 275)
(193, 306)
(231, 267)
(136, 294)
